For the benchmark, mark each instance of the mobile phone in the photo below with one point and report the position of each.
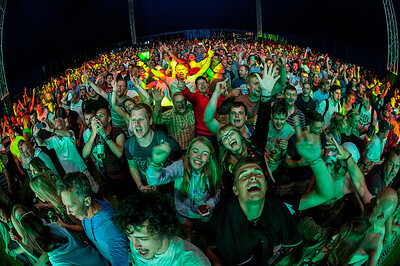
(203, 209)
(40, 125)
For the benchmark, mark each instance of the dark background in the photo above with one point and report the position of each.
(40, 33)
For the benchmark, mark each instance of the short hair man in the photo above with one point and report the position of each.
(30, 152)
(240, 82)
(148, 220)
(250, 225)
(368, 115)
(96, 217)
(180, 120)
(373, 150)
(382, 175)
(237, 114)
(331, 105)
(106, 144)
(304, 101)
(290, 95)
(298, 172)
(63, 143)
(322, 94)
(252, 99)
(138, 148)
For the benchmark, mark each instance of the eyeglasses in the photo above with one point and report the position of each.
(227, 135)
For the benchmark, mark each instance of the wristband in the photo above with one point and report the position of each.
(348, 157)
(154, 164)
(141, 185)
(108, 137)
(314, 162)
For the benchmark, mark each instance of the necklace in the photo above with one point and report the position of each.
(254, 221)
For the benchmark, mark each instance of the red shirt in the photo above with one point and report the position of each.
(199, 102)
(107, 89)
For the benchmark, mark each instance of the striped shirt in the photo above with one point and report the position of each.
(301, 116)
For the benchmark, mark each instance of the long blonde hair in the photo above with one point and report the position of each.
(46, 189)
(210, 174)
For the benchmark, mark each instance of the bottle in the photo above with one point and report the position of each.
(100, 150)
(53, 217)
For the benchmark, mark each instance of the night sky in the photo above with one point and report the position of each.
(38, 33)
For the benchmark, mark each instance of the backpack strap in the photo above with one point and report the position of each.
(326, 107)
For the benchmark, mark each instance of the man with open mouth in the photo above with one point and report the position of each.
(149, 221)
(251, 225)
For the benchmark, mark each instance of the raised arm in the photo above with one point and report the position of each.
(309, 147)
(96, 87)
(204, 67)
(356, 175)
(156, 174)
(121, 112)
(209, 113)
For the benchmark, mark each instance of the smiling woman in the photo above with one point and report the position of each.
(197, 180)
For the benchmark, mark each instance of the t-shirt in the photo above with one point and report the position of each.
(67, 153)
(366, 115)
(252, 107)
(305, 107)
(114, 167)
(329, 113)
(374, 149)
(46, 159)
(140, 155)
(180, 252)
(240, 240)
(95, 104)
(116, 120)
(375, 179)
(301, 117)
(274, 136)
(240, 83)
(107, 238)
(73, 252)
(318, 97)
(77, 107)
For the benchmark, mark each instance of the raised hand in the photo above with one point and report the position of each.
(114, 83)
(342, 153)
(268, 81)
(158, 94)
(160, 153)
(181, 84)
(85, 75)
(308, 145)
(220, 87)
(282, 61)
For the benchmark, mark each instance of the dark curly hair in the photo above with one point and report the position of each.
(154, 208)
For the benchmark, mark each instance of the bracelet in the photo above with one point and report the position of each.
(348, 157)
(314, 162)
(141, 185)
(154, 164)
(108, 137)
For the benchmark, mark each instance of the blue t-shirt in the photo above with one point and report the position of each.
(107, 238)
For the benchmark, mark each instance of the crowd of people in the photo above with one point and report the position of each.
(211, 152)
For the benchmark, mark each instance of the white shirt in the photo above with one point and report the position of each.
(374, 149)
(67, 153)
(180, 252)
(329, 113)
